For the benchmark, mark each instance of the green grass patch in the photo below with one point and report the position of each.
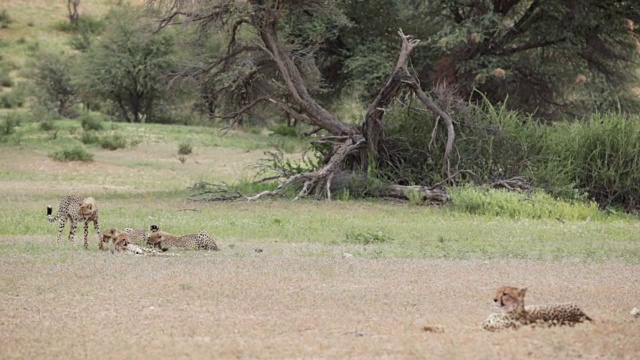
(536, 205)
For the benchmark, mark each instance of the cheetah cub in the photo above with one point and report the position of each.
(515, 313)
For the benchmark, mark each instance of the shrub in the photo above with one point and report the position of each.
(8, 125)
(537, 205)
(89, 138)
(85, 23)
(48, 125)
(76, 153)
(185, 148)
(5, 19)
(367, 237)
(5, 80)
(11, 100)
(113, 142)
(599, 156)
(284, 130)
(91, 123)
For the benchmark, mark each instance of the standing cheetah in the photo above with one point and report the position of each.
(199, 241)
(515, 313)
(76, 209)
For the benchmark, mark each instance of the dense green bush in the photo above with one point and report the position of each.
(185, 148)
(5, 19)
(6, 80)
(599, 156)
(491, 143)
(536, 205)
(91, 122)
(12, 99)
(76, 153)
(113, 142)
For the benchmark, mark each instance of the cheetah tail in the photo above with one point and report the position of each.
(50, 217)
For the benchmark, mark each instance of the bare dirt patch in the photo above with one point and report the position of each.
(284, 303)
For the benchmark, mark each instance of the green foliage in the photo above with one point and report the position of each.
(113, 142)
(52, 76)
(85, 23)
(127, 66)
(5, 19)
(492, 143)
(8, 124)
(89, 138)
(91, 122)
(185, 148)
(6, 80)
(599, 156)
(284, 130)
(12, 99)
(536, 205)
(76, 153)
(367, 237)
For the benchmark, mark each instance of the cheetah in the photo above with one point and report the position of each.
(76, 209)
(108, 237)
(122, 244)
(515, 313)
(199, 241)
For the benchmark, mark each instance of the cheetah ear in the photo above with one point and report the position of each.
(522, 292)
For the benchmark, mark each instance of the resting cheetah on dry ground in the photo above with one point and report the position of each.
(515, 313)
(199, 241)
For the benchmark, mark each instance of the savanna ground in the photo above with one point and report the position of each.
(299, 297)
(413, 266)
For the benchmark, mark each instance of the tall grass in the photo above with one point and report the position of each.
(599, 157)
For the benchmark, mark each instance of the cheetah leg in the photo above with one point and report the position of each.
(63, 222)
(96, 226)
(86, 234)
(72, 232)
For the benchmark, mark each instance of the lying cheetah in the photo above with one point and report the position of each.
(199, 241)
(515, 313)
(108, 237)
(76, 209)
(123, 244)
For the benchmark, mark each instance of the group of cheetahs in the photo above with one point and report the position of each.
(514, 314)
(77, 209)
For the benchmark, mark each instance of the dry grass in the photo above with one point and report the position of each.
(281, 303)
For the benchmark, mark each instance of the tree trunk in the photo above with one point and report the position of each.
(72, 6)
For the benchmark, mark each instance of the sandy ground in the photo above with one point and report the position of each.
(286, 303)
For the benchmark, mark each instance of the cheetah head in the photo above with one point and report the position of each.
(155, 238)
(88, 207)
(108, 237)
(121, 242)
(510, 299)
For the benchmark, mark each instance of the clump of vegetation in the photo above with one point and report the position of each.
(284, 130)
(91, 123)
(599, 156)
(77, 153)
(113, 142)
(8, 125)
(89, 138)
(535, 205)
(6, 80)
(367, 237)
(185, 148)
(5, 19)
(11, 100)
(84, 23)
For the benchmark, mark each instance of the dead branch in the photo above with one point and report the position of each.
(451, 134)
(426, 195)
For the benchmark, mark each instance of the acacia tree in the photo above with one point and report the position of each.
(262, 64)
